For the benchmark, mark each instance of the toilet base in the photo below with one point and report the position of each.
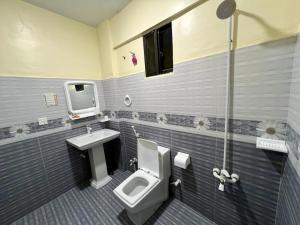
(100, 183)
(141, 217)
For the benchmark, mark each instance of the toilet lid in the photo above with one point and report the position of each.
(148, 156)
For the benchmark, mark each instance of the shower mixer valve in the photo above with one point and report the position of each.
(133, 162)
(224, 176)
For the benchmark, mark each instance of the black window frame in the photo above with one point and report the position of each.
(158, 51)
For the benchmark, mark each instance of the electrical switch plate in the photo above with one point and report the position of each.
(43, 120)
(273, 145)
(51, 99)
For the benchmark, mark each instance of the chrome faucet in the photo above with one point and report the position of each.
(88, 129)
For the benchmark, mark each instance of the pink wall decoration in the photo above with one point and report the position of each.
(133, 58)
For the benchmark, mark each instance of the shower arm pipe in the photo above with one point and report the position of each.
(227, 90)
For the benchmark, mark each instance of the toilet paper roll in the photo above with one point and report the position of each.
(182, 160)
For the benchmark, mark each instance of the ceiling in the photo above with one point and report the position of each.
(91, 12)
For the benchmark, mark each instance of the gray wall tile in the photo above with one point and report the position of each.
(252, 201)
(294, 103)
(260, 88)
(23, 180)
(22, 99)
(35, 171)
(65, 168)
(289, 201)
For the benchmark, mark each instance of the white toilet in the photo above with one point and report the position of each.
(145, 190)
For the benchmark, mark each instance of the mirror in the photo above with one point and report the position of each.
(82, 99)
(82, 96)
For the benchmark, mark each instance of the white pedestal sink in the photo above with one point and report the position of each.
(94, 144)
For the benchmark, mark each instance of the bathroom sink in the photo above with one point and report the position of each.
(87, 141)
(93, 142)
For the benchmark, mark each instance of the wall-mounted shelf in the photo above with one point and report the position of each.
(271, 145)
(104, 120)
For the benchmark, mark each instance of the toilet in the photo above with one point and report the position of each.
(145, 190)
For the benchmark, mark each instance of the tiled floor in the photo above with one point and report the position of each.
(87, 206)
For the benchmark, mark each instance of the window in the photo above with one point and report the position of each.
(158, 51)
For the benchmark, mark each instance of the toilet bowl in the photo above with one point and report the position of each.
(145, 190)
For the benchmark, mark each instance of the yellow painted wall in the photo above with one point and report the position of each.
(140, 15)
(199, 33)
(38, 43)
(123, 67)
(105, 50)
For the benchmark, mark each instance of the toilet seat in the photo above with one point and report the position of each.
(133, 198)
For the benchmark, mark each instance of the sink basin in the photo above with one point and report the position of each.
(94, 143)
(87, 141)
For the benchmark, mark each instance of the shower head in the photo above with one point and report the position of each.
(226, 9)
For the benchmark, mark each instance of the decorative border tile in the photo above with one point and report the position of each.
(35, 127)
(107, 113)
(212, 123)
(271, 129)
(206, 124)
(5, 133)
(21, 130)
(124, 114)
(148, 116)
(235, 126)
(220, 124)
(249, 127)
(180, 120)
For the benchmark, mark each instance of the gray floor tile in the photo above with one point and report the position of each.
(83, 205)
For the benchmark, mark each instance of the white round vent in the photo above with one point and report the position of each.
(127, 100)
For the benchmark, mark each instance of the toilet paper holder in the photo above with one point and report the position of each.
(182, 160)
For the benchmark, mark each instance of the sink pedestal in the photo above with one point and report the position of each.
(93, 142)
(98, 166)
